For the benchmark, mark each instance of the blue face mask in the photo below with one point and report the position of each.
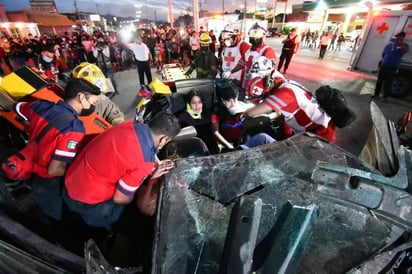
(47, 59)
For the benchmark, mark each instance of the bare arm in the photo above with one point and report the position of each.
(147, 194)
(238, 67)
(404, 47)
(121, 198)
(258, 109)
(219, 137)
(56, 168)
(147, 197)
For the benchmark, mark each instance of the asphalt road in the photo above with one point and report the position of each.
(312, 72)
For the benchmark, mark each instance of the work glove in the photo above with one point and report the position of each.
(226, 74)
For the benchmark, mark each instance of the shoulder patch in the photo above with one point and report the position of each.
(72, 144)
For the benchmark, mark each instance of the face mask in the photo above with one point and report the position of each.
(204, 48)
(227, 43)
(87, 111)
(47, 59)
(239, 107)
(255, 42)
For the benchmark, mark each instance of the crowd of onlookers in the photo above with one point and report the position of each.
(336, 41)
(166, 46)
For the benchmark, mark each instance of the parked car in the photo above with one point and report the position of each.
(351, 36)
(273, 32)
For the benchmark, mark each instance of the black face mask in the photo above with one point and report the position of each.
(87, 111)
(204, 48)
(255, 42)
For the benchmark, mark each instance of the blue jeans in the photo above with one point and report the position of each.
(108, 72)
(47, 193)
(386, 75)
(103, 215)
(257, 140)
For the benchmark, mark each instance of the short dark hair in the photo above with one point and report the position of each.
(164, 123)
(401, 34)
(76, 85)
(228, 92)
(48, 48)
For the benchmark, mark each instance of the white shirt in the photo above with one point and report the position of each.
(230, 57)
(141, 51)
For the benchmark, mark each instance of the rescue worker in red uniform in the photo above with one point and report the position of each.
(298, 107)
(258, 48)
(233, 50)
(110, 170)
(59, 145)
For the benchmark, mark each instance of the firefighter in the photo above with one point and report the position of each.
(204, 61)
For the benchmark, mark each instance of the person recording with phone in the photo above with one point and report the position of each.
(103, 55)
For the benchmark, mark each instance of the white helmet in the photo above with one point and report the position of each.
(229, 32)
(262, 66)
(263, 78)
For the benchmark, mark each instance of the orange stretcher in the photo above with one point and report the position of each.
(25, 84)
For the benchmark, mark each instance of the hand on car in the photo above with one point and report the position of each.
(162, 168)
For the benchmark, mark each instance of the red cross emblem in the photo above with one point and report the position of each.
(229, 59)
(382, 28)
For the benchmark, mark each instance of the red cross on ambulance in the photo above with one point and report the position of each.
(382, 28)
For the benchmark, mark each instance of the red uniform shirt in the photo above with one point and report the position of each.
(61, 141)
(302, 113)
(230, 126)
(254, 54)
(119, 158)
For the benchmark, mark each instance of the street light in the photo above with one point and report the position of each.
(321, 6)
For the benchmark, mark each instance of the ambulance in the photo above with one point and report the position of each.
(380, 28)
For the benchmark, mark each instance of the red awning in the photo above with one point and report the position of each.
(55, 20)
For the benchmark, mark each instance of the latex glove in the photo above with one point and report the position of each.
(226, 74)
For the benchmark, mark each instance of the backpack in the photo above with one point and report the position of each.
(333, 102)
(19, 166)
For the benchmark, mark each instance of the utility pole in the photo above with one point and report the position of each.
(284, 15)
(274, 14)
(196, 14)
(76, 10)
(171, 14)
(254, 12)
